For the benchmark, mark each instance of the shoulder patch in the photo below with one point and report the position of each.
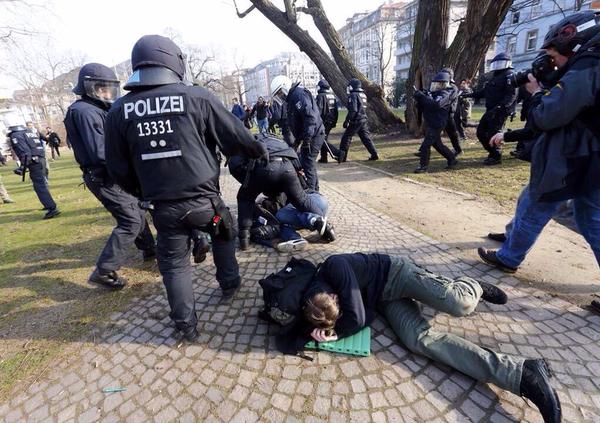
(299, 105)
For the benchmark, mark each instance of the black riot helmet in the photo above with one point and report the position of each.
(569, 34)
(501, 61)
(155, 60)
(450, 73)
(323, 85)
(440, 81)
(355, 84)
(97, 82)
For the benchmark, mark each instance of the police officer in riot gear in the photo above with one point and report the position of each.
(328, 108)
(500, 95)
(356, 122)
(161, 142)
(304, 121)
(435, 106)
(451, 129)
(280, 174)
(27, 146)
(98, 87)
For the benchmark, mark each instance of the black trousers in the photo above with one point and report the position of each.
(132, 226)
(54, 150)
(38, 172)
(433, 139)
(362, 130)
(459, 123)
(309, 151)
(333, 148)
(490, 124)
(174, 248)
(452, 132)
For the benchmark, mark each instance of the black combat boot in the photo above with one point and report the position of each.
(107, 279)
(190, 334)
(373, 158)
(244, 239)
(51, 213)
(492, 294)
(452, 163)
(491, 161)
(342, 156)
(421, 169)
(535, 386)
(229, 289)
(201, 247)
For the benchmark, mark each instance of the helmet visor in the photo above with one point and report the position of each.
(438, 85)
(500, 64)
(106, 91)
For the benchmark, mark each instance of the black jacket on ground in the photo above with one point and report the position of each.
(161, 142)
(358, 280)
(84, 122)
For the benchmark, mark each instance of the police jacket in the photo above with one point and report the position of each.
(566, 158)
(26, 144)
(304, 119)
(327, 107)
(454, 92)
(498, 92)
(161, 142)
(84, 122)
(357, 106)
(435, 107)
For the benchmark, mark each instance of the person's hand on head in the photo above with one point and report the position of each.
(320, 335)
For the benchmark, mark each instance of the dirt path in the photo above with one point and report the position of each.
(560, 263)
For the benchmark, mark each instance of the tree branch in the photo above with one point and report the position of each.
(243, 14)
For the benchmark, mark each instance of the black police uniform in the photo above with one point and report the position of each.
(278, 175)
(84, 123)
(356, 123)
(435, 107)
(451, 129)
(328, 109)
(28, 148)
(279, 115)
(500, 96)
(307, 127)
(161, 145)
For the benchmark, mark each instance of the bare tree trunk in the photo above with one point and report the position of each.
(475, 34)
(429, 46)
(337, 73)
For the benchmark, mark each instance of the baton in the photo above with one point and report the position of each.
(24, 169)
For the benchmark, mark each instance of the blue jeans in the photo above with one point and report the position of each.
(292, 219)
(263, 125)
(532, 216)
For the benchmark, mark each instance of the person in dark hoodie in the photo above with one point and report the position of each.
(435, 106)
(349, 289)
(565, 161)
(98, 87)
(356, 122)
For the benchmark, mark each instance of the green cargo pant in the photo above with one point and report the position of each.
(406, 283)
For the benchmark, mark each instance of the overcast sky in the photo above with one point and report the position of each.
(105, 31)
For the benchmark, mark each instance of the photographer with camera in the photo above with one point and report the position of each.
(500, 94)
(565, 161)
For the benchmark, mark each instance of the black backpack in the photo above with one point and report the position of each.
(283, 291)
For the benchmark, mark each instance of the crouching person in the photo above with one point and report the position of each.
(350, 288)
(281, 174)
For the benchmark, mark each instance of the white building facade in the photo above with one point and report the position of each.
(527, 22)
(295, 65)
(369, 38)
(405, 32)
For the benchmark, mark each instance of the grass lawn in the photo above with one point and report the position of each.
(45, 301)
(502, 183)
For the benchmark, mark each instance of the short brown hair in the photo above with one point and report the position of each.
(322, 311)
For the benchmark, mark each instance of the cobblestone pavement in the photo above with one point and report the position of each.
(234, 372)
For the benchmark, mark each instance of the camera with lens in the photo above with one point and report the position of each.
(542, 68)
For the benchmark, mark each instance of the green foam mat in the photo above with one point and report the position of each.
(357, 344)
